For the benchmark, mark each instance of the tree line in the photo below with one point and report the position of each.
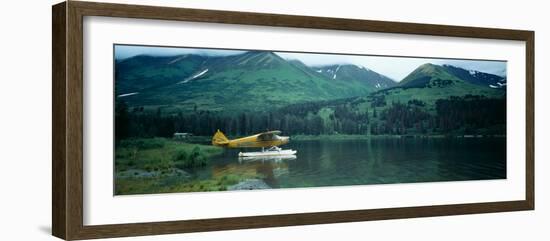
(456, 115)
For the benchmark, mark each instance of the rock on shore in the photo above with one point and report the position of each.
(249, 184)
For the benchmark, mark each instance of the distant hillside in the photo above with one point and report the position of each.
(145, 72)
(356, 74)
(477, 77)
(429, 83)
(255, 80)
(431, 75)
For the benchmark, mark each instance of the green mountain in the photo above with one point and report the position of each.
(477, 77)
(255, 80)
(429, 83)
(431, 75)
(356, 74)
(148, 72)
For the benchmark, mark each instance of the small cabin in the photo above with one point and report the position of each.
(182, 135)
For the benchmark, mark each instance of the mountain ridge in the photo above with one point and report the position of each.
(232, 80)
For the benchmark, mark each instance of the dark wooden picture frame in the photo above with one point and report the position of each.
(67, 100)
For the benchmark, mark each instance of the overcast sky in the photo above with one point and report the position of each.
(396, 68)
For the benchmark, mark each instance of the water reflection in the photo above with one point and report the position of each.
(373, 161)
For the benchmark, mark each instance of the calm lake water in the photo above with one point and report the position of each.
(373, 161)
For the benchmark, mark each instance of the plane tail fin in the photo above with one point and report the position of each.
(219, 139)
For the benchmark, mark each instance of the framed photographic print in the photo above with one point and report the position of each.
(170, 120)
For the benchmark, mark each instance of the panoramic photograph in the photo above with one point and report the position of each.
(203, 119)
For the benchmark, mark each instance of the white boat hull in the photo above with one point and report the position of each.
(267, 158)
(267, 153)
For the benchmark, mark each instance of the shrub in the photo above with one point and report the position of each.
(195, 159)
(180, 155)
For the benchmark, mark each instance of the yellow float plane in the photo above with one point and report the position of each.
(269, 139)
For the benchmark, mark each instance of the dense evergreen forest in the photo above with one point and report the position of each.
(465, 115)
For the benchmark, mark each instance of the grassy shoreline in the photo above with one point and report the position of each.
(161, 165)
(154, 154)
(142, 164)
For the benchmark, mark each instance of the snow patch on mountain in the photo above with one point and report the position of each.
(337, 68)
(177, 59)
(363, 67)
(128, 94)
(194, 76)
